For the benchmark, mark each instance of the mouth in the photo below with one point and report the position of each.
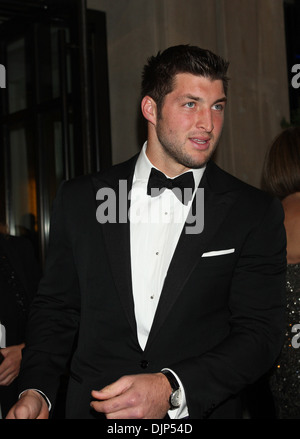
(200, 143)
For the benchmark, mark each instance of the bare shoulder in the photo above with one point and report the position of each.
(291, 206)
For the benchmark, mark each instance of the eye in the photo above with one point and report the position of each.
(218, 107)
(190, 104)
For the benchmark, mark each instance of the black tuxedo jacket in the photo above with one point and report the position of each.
(220, 320)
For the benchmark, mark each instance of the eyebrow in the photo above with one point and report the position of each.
(198, 99)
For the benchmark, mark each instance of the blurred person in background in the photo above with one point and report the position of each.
(281, 177)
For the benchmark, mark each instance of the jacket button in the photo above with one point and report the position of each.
(144, 364)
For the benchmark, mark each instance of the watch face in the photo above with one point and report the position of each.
(176, 398)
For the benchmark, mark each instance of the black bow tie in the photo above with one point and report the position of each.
(158, 182)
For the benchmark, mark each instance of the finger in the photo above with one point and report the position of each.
(100, 394)
(122, 407)
(124, 414)
(112, 413)
(114, 389)
(4, 376)
(115, 404)
(9, 373)
(3, 366)
(8, 380)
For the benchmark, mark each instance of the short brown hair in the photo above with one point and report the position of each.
(160, 71)
(281, 172)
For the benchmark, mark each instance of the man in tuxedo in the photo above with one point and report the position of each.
(178, 304)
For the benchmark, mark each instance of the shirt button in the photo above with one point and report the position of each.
(144, 364)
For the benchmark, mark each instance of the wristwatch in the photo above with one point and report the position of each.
(175, 397)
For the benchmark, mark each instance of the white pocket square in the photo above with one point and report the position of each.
(218, 253)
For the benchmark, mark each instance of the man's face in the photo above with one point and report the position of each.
(190, 122)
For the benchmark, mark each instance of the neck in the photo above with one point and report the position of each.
(161, 160)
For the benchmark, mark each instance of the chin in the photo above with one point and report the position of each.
(198, 163)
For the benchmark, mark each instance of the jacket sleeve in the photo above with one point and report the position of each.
(54, 316)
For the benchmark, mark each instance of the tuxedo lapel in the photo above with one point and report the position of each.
(218, 199)
(117, 234)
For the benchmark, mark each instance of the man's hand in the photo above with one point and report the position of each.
(31, 405)
(144, 396)
(10, 366)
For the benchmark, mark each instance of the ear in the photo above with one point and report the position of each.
(149, 109)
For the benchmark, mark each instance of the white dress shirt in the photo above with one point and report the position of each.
(2, 336)
(155, 227)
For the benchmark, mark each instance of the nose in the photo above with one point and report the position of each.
(205, 120)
